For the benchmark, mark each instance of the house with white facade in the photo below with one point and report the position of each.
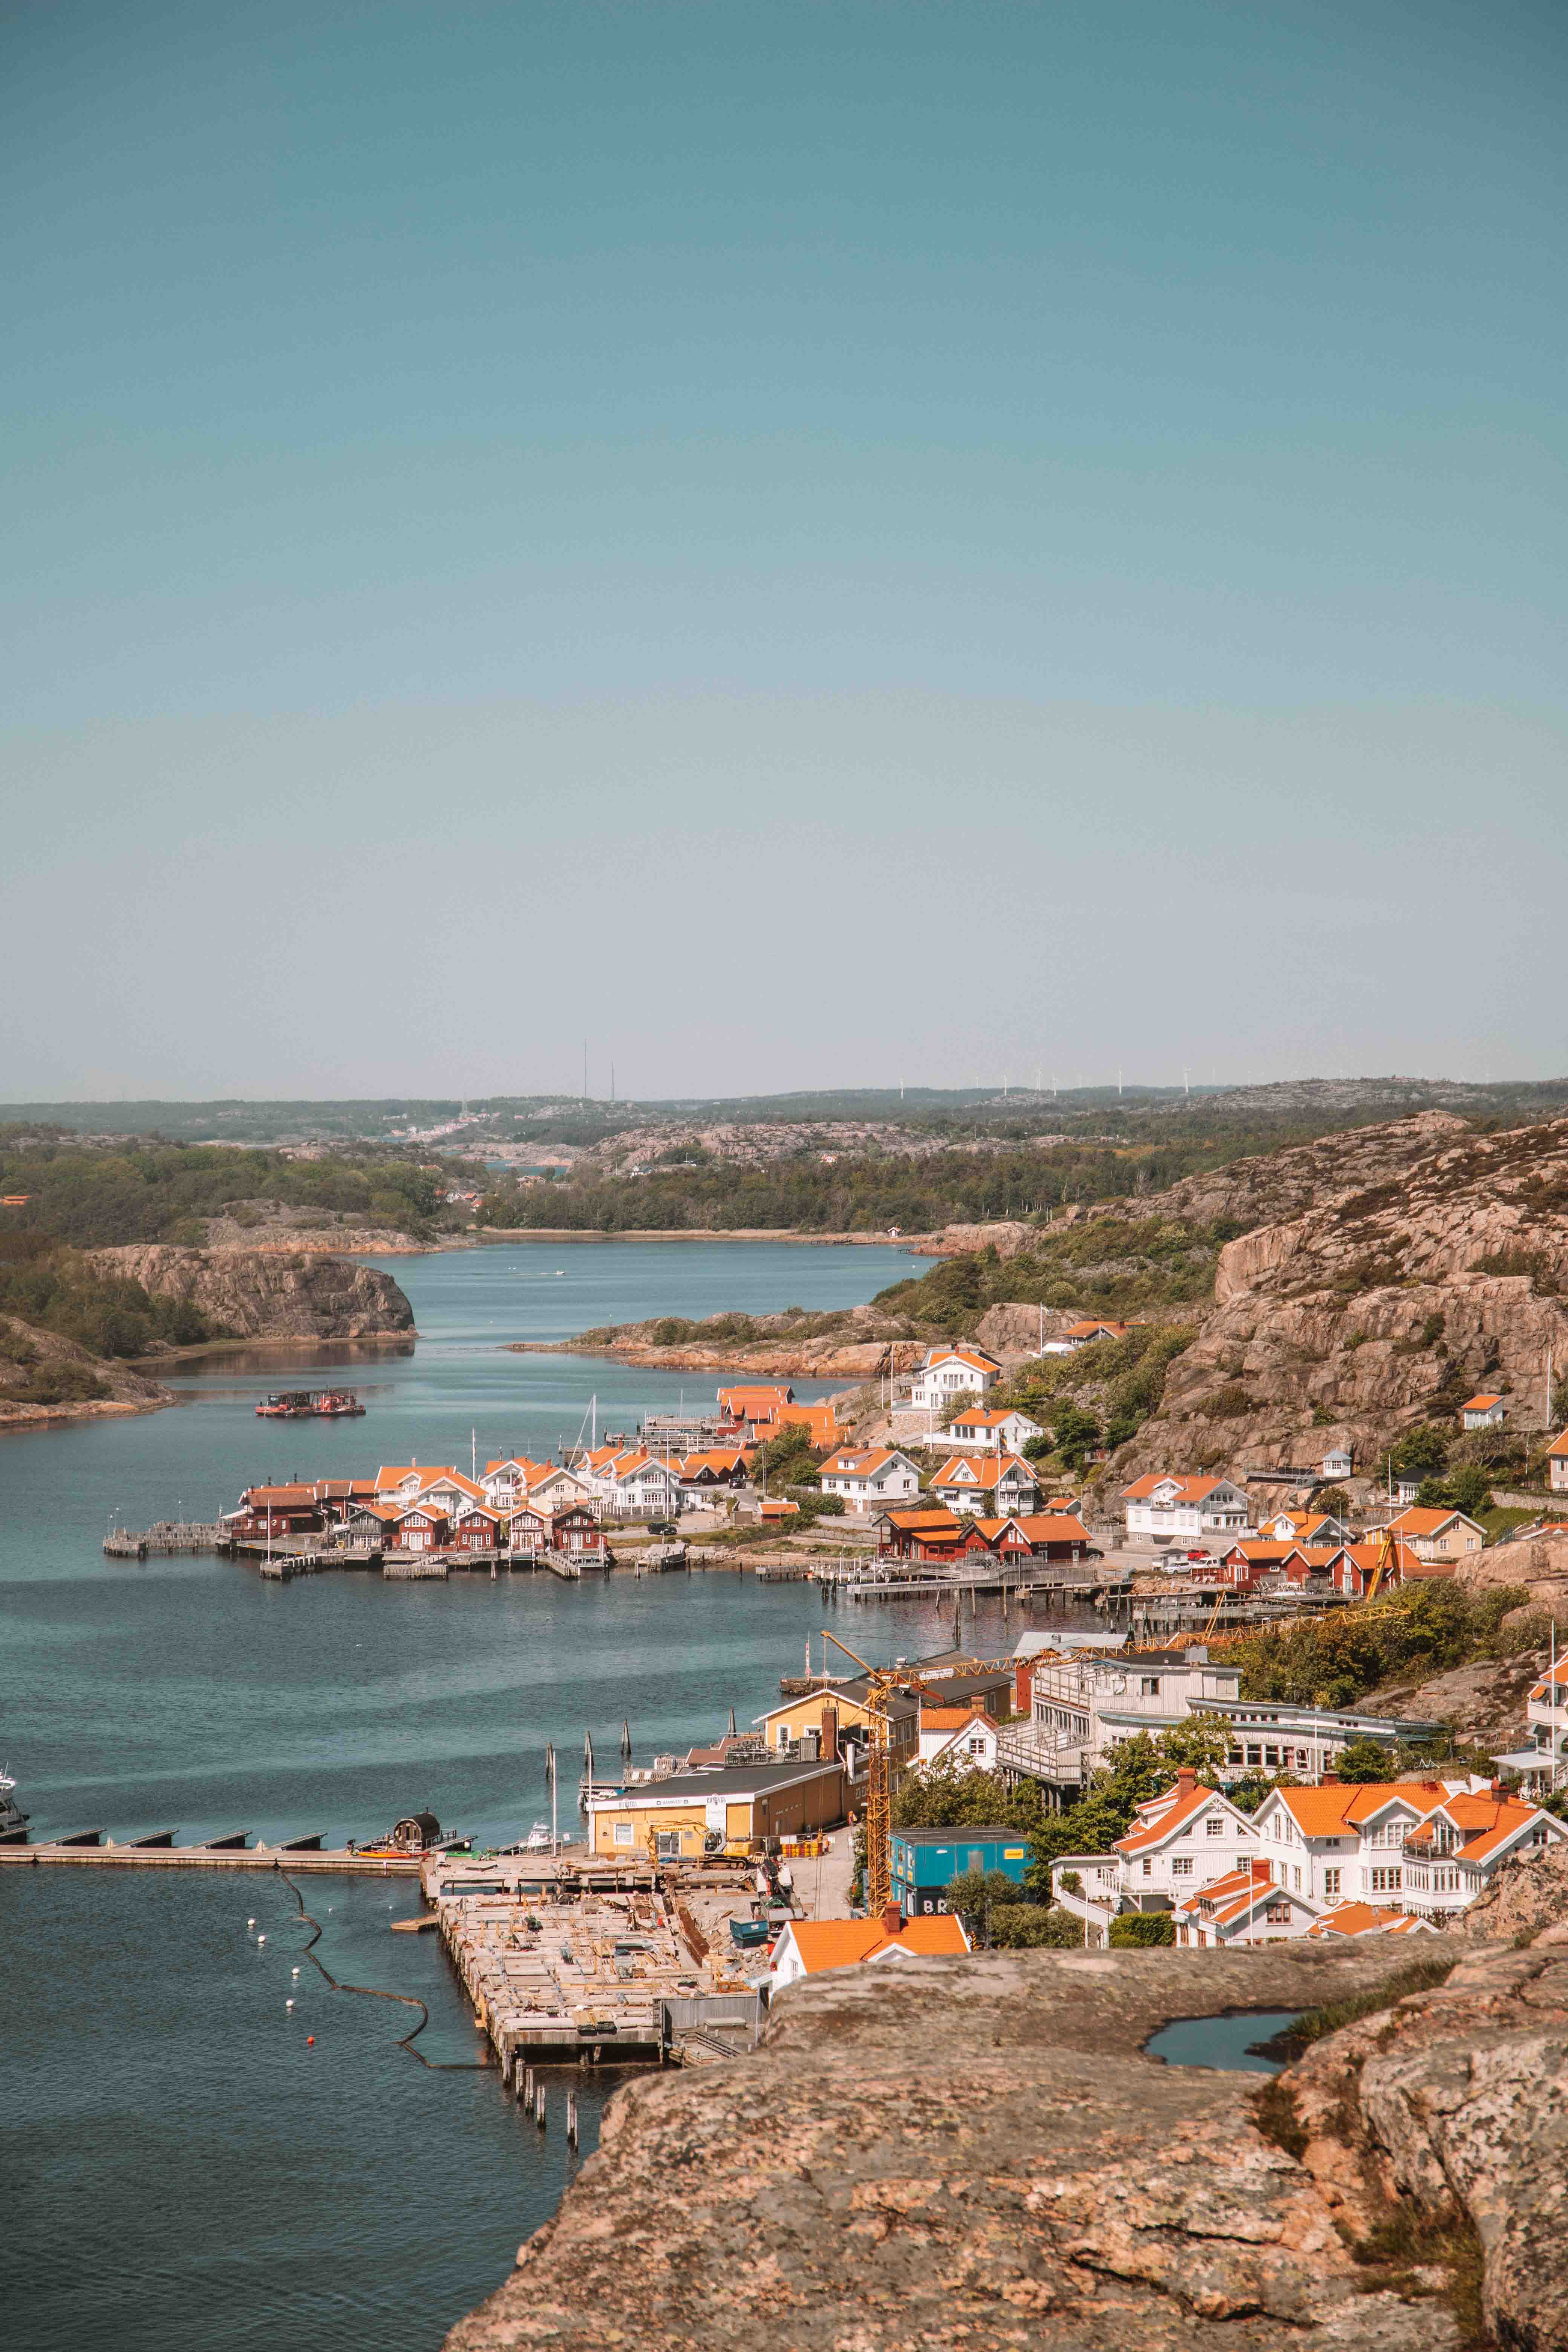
(1542, 1764)
(1427, 1846)
(870, 1478)
(1338, 1462)
(1557, 1462)
(1244, 1907)
(1000, 1429)
(1180, 1841)
(948, 1374)
(635, 1483)
(1097, 1699)
(1423, 1847)
(1486, 1411)
(1165, 1508)
(964, 1735)
(986, 1485)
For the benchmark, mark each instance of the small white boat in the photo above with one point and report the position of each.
(539, 1839)
(13, 1820)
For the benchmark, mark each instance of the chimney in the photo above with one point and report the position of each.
(892, 1919)
(1186, 1776)
(1328, 1780)
(830, 1734)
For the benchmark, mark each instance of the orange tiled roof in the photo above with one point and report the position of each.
(1190, 1490)
(1364, 1919)
(1154, 1820)
(841, 1943)
(1338, 1805)
(1422, 1521)
(1051, 1526)
(1482, 1403)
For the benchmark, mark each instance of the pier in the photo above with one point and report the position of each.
(91, 1849)
(593, 1963)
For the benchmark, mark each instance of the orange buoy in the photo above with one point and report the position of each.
(310, 2040)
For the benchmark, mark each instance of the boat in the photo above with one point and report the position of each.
(286, 1404)
(539, 1839)
(337, 1404)
(13, 1820)
(416, 1833)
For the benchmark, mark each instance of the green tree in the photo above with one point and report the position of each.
(973, 1894)
(1364, 1760)
(1422, 1452)
(1078, 1432)
(948, 1796)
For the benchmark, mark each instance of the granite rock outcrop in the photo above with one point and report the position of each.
(268, 1293)
(980, 2152)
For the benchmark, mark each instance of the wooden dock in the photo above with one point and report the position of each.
(91, 1849)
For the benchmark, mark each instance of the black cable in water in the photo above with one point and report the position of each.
(373, 1992)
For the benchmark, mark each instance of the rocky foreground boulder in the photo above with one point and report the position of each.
(268, 1294)
(978, 2153)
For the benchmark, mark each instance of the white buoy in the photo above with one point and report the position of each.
(261, 1939)
(295, 1972)
(250, 1923)
(288, 2004)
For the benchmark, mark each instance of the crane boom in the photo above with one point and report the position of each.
(879, 1792)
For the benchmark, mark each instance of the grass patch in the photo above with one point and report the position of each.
(1407, 2239)
(1500, 1521)
(1273, 2112)
(1420, 1976)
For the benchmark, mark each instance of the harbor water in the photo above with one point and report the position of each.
(183, 2168)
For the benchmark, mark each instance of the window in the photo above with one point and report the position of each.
(1386, 1882)
(1181, 1865)
(624, 1832)
(1149, 1686)
(1148, 1867)
(1330, 1882)
(1216, 1825)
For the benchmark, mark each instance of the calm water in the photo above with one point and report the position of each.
(1222, 2042)
(179, 2169)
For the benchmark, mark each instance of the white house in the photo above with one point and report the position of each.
(1179, 1840)
(1095, 1699)
(964, 1735)
(1337, 1462)
(1082, 1335)
(948, 1374)
(987, 1485)
(869, 1477)
(1556, 1462)
(637, 1482)
(1244, 1907)
(1427, 1846)
(1163, 1509)
(1546, 1716)
(1483, 1412)
(999, 1430)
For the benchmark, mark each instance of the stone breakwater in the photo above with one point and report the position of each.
(978, 2153)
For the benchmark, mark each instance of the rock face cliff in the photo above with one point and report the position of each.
(45, 1378)
(268, 1293)
(978, 2153)
(1418, 1263)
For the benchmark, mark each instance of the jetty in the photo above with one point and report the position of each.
(92, 1849)
(166, 1536)
(593, 1962)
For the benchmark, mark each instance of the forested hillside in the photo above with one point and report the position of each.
(94, 1195)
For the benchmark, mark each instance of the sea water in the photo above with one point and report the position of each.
(182, 2168)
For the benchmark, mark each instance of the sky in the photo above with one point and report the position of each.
(801, 544)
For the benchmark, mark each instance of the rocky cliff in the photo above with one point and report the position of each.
(45, 1378)
(268, 1293)
(978, 2153)
(1416, 1264)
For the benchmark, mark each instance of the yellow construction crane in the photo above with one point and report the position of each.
(880, 1686)
(1387, 1558)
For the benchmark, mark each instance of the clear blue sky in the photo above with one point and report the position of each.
(808, 543)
